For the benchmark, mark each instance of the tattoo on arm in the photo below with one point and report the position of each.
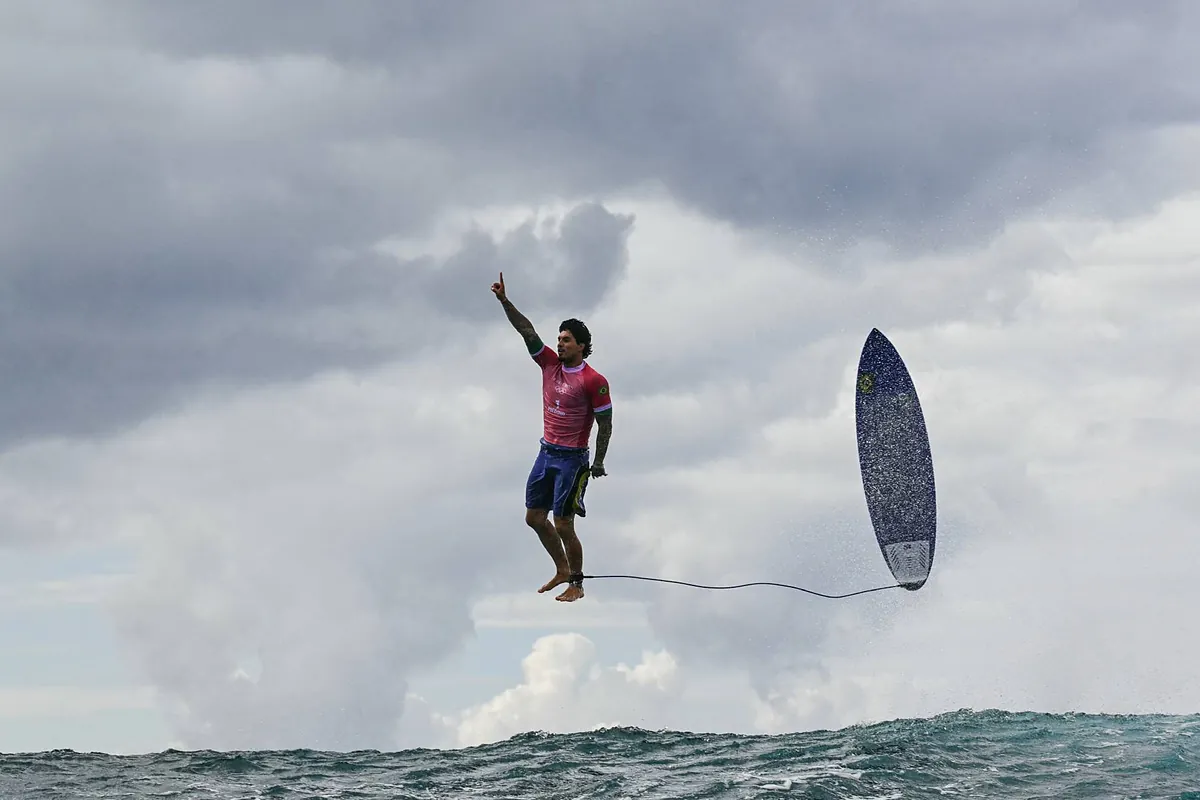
(603, 434)
(523, 326)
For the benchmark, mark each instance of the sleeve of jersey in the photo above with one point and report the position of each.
(545, 357)
(601, 401)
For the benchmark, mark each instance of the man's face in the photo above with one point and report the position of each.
(569, 350)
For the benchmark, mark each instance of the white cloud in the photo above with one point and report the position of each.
(565, 689)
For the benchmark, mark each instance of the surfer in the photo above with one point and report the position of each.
(573, 396)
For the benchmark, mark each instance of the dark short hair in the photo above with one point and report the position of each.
(580, 332)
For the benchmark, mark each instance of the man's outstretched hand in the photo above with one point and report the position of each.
(598, 469)
(498, 289)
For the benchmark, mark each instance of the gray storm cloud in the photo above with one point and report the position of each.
(195, 200)
(571, 262)
(917, 125)
(207, 173)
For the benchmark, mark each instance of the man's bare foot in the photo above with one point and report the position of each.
(560, 577)
(571, 593)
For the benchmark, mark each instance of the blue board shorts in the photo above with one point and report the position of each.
(558, 480)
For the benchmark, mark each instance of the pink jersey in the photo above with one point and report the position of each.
(571, 396)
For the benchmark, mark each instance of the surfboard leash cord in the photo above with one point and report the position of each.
(754, 583)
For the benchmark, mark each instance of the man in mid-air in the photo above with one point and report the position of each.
(573, 395)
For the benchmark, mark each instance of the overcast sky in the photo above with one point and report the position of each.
(265, 430)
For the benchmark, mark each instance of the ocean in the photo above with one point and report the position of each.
(988, 754)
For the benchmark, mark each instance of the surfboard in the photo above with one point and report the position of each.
(896, 462)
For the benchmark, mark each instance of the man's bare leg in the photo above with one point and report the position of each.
(538, 519)
(565, 527)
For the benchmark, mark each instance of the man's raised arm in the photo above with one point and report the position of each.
(518, 320)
